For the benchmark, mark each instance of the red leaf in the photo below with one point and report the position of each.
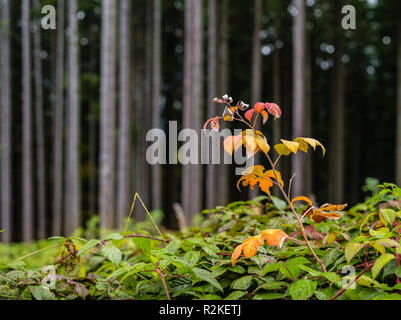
(249, 115)
(274, 110)
(259, 107)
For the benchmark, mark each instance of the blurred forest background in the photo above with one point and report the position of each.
(77, 102)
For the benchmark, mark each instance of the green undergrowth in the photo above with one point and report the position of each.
(196, 263)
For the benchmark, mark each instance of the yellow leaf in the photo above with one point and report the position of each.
(281, 149)
(262, 143)
(274, 237)
(291, 145)
(302, 198)
(286, 147)
(304, 142)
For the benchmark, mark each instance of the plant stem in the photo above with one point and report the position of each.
(164, 283)
(296, 216)
(339, 293)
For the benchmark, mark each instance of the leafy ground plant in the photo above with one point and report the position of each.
(254, 141)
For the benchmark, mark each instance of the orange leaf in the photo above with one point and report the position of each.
(249, 114)
(236, 254)
(265, 116)
(318, 215)
(232, 143)
(274, 237)
(259, 107)
(251, 245)
(302, 198)
(333, 207)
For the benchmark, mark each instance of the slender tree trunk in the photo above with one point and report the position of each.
(336, 153)
(298, 161)
(123, 201)
(277, 134)
(192, 173)
(308, 116)
(222, 192)
(5, 133)
(27, 125)
(72, 204)
(108, 114)
(398, 143)
(156, 92)
(40, 145)
(211, 169)
(58, 107)
(256, 69)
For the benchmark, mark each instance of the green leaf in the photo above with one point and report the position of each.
(88, 246)
(398, 272)
(298, 260)
(270, 268)
(211, 250)
(388, 215)
(352, 249)
(235, 295)
(173, 246)
(113, 236)
(270, 286)
(191, 258)
(242, 283)
(380, 263)
(392, 296)
(112, 253)
(268, 296)
(278, 203)
(208, 277)
(41, 293)
(302, 289)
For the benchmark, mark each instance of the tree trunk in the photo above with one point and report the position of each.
(5, 133)
(222, 192)
(124, 115)
(211, 169)
(256, 70)
(40, 146)
(308, 186)
(277, 134)
(336, 152)
(192, 173)
(156, 92)
(58, 107)
(398, 143)
(72, 203)
(27, 208)
(108, 115)
(298, 160)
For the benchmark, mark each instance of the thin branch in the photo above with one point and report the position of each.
(164, 283)
(339, 293)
